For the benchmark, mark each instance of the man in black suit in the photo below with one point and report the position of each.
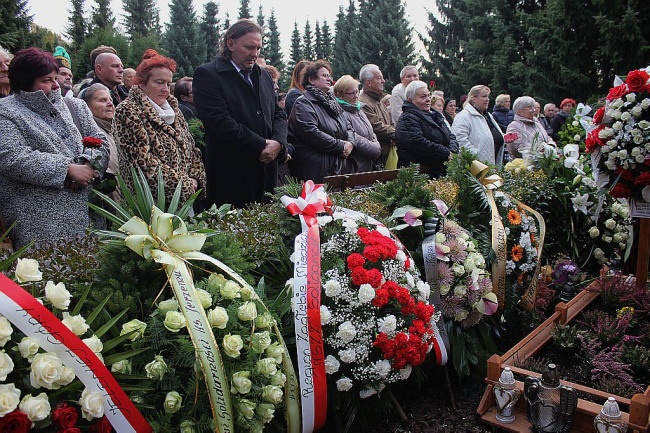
(245, 128)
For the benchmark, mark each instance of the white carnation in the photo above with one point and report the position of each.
(366, 293)
(382, 368)
(347, 355)
(332, 288)
(325, 315)
(401, 256)
(331, 364)
(346, 331)
(405, 372)
(344, 384)
(424, 290)
(387, 324)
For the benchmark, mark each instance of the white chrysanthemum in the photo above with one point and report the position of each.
(346, 331)
(331, 364)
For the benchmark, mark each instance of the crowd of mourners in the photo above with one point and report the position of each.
(58, 139)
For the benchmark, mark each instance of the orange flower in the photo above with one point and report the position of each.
(514, 217)
(517, 253)
(532, 238)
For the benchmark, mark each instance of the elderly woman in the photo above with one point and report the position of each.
(476, 130)
(318, 129)
(502, 112)
(151, 132)
(45, 176)
(98, 98)
(5, 59)
(366, 147)
(527, 128)
(449, 110)
(422, 134)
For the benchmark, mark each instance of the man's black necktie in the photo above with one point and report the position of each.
(247, 76)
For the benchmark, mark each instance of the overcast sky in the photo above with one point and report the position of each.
(53, 13)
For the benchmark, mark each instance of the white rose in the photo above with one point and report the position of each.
(260, 341)
(67, 375)
(232, 345)
(606, 133)
(610, 223)
(459, 269)
(46, 371)
(267, 367)
(205, 298)
(440, 238)
(640, 159)
(645, 103)
(174, 321)
(630, 97)
(346, 331)
(57, 295)
(325, 315)
(27, 270)
(265, 412)
(577, 137)
(637, 110)
(344, 384)
(598, 253)
(134, 325)
(5, 330)
(644, 124)
(617, 238)
(6, 365)
(218, 317)
(157, 368)
(168, 305)
(247, 311)
(275, 351)
(460, 316)
(92, 404)
(173, 402)
(460, 291)
(594, 232)
(331, 364)
(241, 383)
(625, 116)
(230, 290)
(246, 408)
(367, 293)
(37, 408)
(264, 321)
(617, 126)
(622, 154)
(76, 324)
(575, 123)
(469, 264)
(123, 366)
(445, 288)
(278, 379)
(638, 139)
(187, 426)
(9, 398)
(28, 347)
(94, 343)
(607, 239)
(273, 394)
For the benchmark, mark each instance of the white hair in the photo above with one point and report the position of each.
(522, 102)
(413, 88)
(405, 69)
(367, 73)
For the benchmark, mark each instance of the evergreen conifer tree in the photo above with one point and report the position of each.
(345, 60)
(210, 30)
(81, 64)
(296, 49)
(327, 41)
(15, 24)
(272, 48)
(244, 9)
(318, 42)
(182, 37)
(226, 22)
(77, 27)
(261, 20)
(307, 48)
(141, 18)
(102, 17)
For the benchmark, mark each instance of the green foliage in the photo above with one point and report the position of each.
(408, 189)
(273, 48)
(141, 18)
(296, 50)
(77, 28)
(244, 9)
(138, 46)
(182, 38)
(307, 48)
(108, 36)
(638, 357)
(101, 17)
(198, 132)
(567, 337)
(210, 30)
(15, 23)
(345, 47)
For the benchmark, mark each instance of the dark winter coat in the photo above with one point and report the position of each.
(503, 116)
(557, 123)
(424, 138)
(238, 118)
(318, 139)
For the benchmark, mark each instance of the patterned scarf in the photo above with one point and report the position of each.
(327, 100)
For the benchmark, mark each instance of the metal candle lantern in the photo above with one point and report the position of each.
(550, 406)
(609, 419)
(506, 396)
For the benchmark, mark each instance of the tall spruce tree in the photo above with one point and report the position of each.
(307, 46)
(210, 30)
(327, 41)
(318, 42)
(141, 18)
(244, 9)
(15, 24)
(226, 22)
(345, 59)
(77, 28)
(102, 16)
(261, 20)
(272, 46)
(296, 48)
(387, 42)
(182, 38)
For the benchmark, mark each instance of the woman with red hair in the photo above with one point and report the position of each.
(152, 134)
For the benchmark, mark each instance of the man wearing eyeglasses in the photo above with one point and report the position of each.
(372, 81)
(245, 128)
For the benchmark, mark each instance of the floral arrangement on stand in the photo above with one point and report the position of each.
(40, 389)
(619, 138)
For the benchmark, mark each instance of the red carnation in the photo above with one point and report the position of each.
(100, 425)
(598, 116)
(64, 416)
(617, 92)
(374, 278)
(69, 430)
(15, 422)
(355, 260)
(593, 141)
(643, 179)
(92, 142)
(381, 298)
(636, 80)
(620, 191)
(432, 83)
(391, 287)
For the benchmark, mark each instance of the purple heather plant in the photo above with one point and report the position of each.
(608, 371)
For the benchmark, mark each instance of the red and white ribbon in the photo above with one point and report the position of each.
(38, 323)
(306, 304)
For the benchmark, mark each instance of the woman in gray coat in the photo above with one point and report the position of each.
(366, 147)
(45, 175)
(320, 133)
